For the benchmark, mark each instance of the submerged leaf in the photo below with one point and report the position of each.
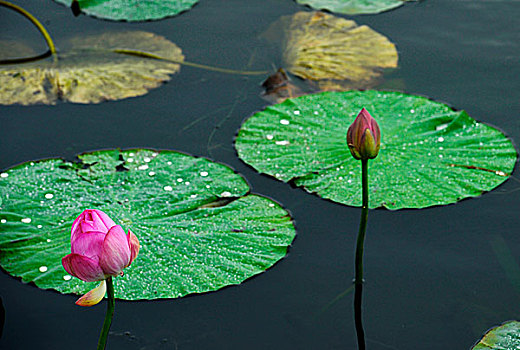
(331, 50)
(97, 68)
(132, 10)
(198, 226)
(353, 7)
(504, 337)
(430, 154)
(278, 87)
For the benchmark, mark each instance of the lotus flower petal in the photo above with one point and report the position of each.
(88, 244)
(133, 243)
(115, 253)
(82, 267)
(94, 296)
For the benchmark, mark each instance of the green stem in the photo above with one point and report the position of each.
(358, 293)
(196, 65)
(362, 224)
(108, 317)
(34, 21)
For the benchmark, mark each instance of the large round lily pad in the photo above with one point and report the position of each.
(198, 226)
(430, 154)
(332, 51)
(132, 10)
(504, 337)
(97, 68)
(353, 7)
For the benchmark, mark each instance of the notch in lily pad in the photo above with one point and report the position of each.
(354, 7)
(192, 240)
(431, 154)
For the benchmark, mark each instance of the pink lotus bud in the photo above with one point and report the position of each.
(99, 247)
(364, 137)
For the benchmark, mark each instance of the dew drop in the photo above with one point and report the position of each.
(297, 112)
(48, 240)
(26, 220)
(284, 122)
(440, 155)
(39, 226)
(412, 110)
(131, 154)
(143, 167)
(441, 127)
(146, 159)
(3, 221)
(151, 173)
(168, 188)
(130, 160)
(440, 139)
(204, 173)
(193, 196)
(4, 175)
(271, 205)
(43, 269)
(67, 277)
(225, 194)
(179, 179)
(49, 195)
(441, 148)
(169, 163)
(187, 183)
(282, 143)
(269, 137)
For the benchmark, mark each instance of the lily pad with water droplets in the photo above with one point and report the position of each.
(132, 10)
(199, 227)
(331, 51)
(504, 337)
(353, 7)
(97, 68)
(430, 154)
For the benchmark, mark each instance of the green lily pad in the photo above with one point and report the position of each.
(199, 227)
(504, 337)
(353, 7)
(430, 154)
(97, 68)
(132, 10)
(331, 51)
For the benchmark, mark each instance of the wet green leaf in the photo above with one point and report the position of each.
(132, 10)
(353, 7)
(504, 337)
(97, 68)
(198, 226)
(334, 52)
(430, 154)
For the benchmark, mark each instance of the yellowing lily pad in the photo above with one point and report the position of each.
(504, 337)
(97, 68)
(334, 52)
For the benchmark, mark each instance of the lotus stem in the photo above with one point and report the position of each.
(196, 65)
(358, 281)
(108, 317)
(34, 21)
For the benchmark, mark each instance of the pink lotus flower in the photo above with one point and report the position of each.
(364, 136)
(100, 249)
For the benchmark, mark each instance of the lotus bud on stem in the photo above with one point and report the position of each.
(100, 250)
(363, 140)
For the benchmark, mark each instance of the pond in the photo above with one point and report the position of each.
(436, 278)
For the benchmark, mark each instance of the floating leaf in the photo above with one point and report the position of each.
(353, 7)
(198, 226)
(430, 154)
(132, 10)
(504, 337)
(98, 68)
(334, 52)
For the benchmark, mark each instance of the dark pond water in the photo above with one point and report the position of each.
(436, 278)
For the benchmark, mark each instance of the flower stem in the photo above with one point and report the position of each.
(34, 21)
(358, 281)
(108, 317)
